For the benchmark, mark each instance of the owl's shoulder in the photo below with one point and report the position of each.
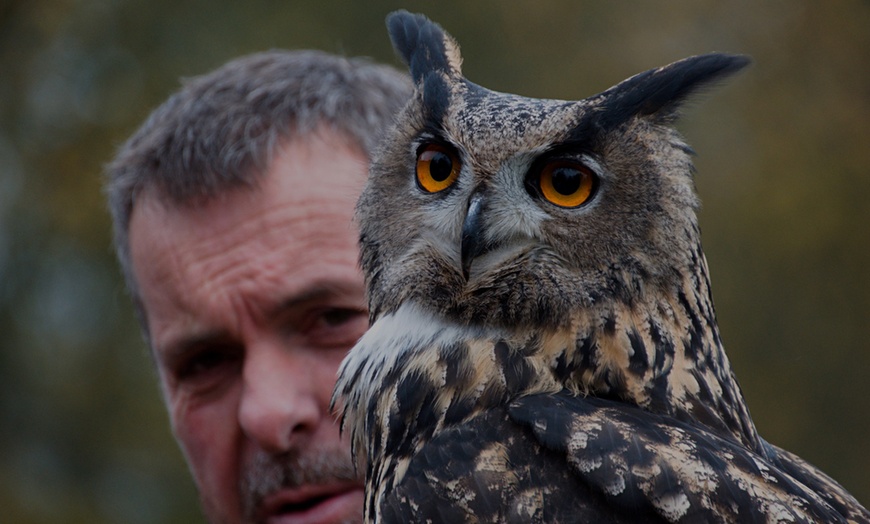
(566, 458)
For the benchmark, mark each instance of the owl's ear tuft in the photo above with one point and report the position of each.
(659, 93)
(423, 45)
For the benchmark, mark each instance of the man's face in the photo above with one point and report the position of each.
(253, 300)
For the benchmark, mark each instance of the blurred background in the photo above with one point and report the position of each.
(783, 160)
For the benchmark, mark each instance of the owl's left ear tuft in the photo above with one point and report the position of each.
(423, 45)
(659, 93)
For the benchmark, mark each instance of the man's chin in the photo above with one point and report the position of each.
(339, 507)
(341, 503)
(218, 512)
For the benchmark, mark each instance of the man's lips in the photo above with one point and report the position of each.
(313, 504)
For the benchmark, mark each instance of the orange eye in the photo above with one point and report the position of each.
(437, 168)
(566, 184)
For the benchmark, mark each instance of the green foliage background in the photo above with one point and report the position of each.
(783, 162)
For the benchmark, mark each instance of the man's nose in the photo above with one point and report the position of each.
(279, 405)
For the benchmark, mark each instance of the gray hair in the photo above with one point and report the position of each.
(220, 130)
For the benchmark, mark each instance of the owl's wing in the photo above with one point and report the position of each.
(819, 482)
(561, 458)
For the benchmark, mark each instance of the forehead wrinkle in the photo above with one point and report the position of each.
(199, 265)
(262, 234)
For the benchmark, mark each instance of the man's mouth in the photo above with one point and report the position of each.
(313, 504)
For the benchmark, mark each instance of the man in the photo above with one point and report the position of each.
(233, 208)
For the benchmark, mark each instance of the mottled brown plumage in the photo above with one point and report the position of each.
(543, 345)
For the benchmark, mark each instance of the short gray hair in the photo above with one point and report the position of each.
(220, 130)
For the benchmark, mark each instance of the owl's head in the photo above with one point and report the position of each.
(493, 208)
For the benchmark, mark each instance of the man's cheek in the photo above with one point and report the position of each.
(210, 447)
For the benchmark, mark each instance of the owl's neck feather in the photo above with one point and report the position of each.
(661, 352)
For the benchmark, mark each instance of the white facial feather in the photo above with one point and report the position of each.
(512, 214)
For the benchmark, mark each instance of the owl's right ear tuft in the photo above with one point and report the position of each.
(423, 45)
(659, 93)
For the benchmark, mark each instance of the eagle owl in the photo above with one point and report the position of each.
(543, 345)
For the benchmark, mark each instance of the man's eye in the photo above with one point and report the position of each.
(206, 362)
(339, 316)
(336, 327)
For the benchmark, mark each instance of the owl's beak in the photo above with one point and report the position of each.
(472, 243)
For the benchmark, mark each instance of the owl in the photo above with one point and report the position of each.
(543, 344)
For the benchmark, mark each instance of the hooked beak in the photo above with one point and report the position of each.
(472, 242)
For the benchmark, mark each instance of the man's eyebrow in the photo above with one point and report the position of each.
(176, 349)
(317, 292)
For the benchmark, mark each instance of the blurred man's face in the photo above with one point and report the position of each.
(252, 301)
